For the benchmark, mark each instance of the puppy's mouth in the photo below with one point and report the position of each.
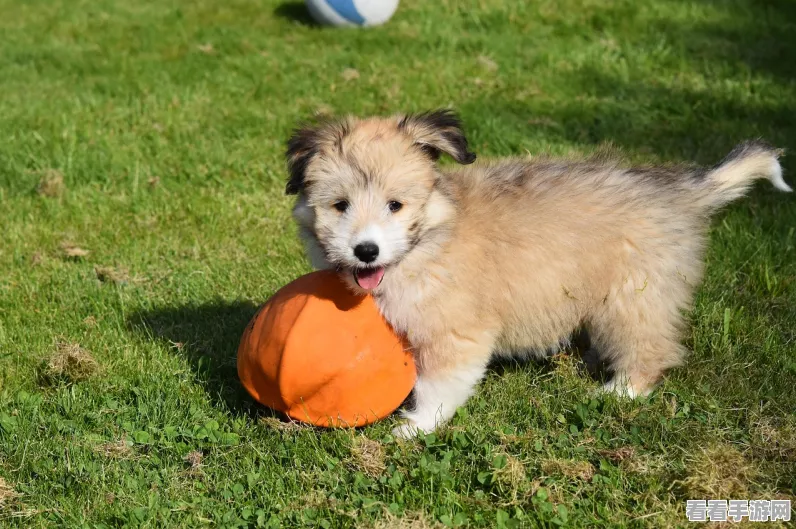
(369, 278)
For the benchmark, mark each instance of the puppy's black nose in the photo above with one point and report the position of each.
(367, 252)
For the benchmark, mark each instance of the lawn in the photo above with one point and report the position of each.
(143, 221)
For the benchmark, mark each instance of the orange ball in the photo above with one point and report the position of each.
(324, 356)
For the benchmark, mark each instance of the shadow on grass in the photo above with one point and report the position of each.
(759, 33)
(589, 363)
(680, 119)
(296, 12)
(207, 336)
(672, 123)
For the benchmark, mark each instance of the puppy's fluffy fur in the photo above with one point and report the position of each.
(509, 257)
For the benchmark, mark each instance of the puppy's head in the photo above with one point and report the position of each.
(368, 190)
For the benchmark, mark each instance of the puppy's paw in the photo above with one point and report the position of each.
(622, 387)
(416, 424)
(406, 431)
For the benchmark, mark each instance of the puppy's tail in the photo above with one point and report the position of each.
(733, 177)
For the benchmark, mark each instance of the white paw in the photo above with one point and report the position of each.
(621, 387)
(416, 424)
(436, 399)
(406, 430)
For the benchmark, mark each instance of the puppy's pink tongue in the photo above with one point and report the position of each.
(369, 278)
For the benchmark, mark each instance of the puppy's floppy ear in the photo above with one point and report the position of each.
(437, 132)
(301, 147)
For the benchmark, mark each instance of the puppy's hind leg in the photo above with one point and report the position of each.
(441, 388)
(638, 333)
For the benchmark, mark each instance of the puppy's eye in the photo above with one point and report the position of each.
(341, 206)
(394, 205)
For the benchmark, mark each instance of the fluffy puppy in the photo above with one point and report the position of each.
(508, 257)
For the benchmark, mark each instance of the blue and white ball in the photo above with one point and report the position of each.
(352, 12)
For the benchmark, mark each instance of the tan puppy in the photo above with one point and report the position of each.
(509, 257)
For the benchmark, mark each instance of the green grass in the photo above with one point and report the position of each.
(166, 122)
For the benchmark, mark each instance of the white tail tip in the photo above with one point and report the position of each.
(775, 176)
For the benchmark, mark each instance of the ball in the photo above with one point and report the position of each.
(352, 12)
(324, 356)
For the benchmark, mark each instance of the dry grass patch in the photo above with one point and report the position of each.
(628, 459)
(70, 362)
(408, 521)
(641, 464)
(317, 498)
(368, 456)
(8, 495)
(194, 460)
(10, 506)
(579, 470)
(774, 440)
(274, 423)
(121, 449)
(109, 274)
(513, 478)
(73, 251)
(513, 473)
(718, 471)
(350, 74)
(619, 454)
(487, 63)
(51, 184)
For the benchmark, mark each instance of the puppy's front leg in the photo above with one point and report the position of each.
(438, 393)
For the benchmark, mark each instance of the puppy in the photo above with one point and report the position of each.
(509, 257)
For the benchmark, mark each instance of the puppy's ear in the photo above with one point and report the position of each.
(306, 142)
(301, 147)
(437, 132)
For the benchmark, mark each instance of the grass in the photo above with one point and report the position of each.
(143, 222)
